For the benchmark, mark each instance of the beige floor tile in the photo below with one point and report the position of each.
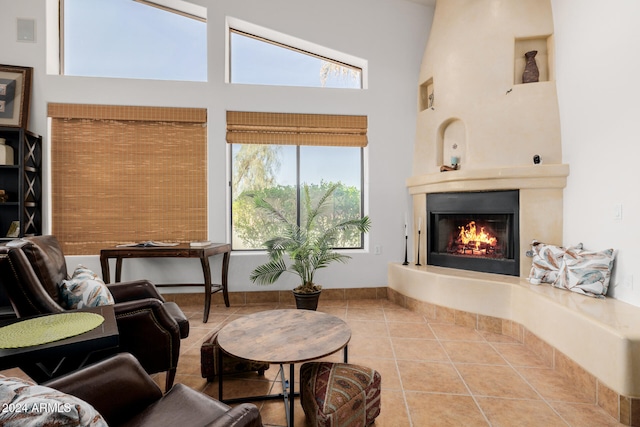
(410, 330)
(473, 352)
(444, 410)
(552, 386)
(524, 413)
(436, 377)
(359, 313)
(519, 355)
(449, 332)
(361, 346)
(418, 349)
(495, 381)
(393, 411)
(584, 415)
(403, 315)
(368, 328)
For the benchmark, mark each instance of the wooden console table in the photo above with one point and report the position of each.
(180, 251)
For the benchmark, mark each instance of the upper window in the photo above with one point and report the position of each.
(142, 39)
(257, 59)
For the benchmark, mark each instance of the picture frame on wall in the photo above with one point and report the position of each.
(15, 95)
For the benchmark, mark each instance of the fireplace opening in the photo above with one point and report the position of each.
(474, 231)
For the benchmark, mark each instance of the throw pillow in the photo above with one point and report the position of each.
(547, 260)
(24, 404)
(84, 289)
(586, 272)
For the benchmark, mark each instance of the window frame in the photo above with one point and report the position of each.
(293, 43)
(299, 186)
(56, 49)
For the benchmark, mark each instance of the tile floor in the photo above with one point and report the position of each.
(433, 374)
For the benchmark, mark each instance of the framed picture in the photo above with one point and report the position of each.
(14, 229)
(15, 95)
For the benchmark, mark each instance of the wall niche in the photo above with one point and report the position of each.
(427, 96)
(541, 44)
(452, 142)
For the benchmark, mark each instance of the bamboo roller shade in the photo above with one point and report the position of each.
(127, 174)
(244, 127)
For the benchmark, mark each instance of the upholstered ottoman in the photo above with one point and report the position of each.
(339, 394)
(209, 353)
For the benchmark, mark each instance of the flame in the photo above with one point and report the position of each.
(469, 235)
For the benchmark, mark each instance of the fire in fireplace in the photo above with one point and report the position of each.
(474, 240)
(474, 231)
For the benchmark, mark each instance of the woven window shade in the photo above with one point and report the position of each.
(127, 174)
(296, 129)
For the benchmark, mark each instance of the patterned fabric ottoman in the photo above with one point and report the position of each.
(230, 365)
(339, 394)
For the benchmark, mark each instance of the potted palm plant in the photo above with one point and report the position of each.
(308, 246)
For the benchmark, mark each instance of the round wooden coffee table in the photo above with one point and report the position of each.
(286, 336)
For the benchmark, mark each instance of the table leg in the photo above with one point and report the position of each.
(118, 269)
(104, 263)
(292, 396)
(206, 270)
(225, 274)
(218, 353)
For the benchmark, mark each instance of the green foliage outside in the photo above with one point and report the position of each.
(254, 226)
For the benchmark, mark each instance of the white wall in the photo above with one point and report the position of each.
(599, 96)
(390, 34)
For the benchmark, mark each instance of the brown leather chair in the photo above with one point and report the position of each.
(120, 390)
(149, 327)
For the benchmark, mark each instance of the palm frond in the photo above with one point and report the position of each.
(268, 273)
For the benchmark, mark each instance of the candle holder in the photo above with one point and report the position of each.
(406, 242)
(418, 258)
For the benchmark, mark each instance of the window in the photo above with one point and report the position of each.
(276, 154)
(164, 39)
(260, 60)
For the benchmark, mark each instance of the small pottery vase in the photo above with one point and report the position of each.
(531, 73)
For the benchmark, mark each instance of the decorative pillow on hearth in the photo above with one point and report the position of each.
(586, 272)
(84, 289)
(28, 404)
(547, 260)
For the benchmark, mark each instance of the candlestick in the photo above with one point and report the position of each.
(406, 242)
(418, 260)
(419, 223)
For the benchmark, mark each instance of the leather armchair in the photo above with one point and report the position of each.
(120, 390)
(149, 327)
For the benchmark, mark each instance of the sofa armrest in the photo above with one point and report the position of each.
(117, 387)
(243, 415)
(148, 331)
(133, 290)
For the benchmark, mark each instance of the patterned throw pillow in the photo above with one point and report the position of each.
(84, 289)
(547, 260)
(24, 404)
(586, 272)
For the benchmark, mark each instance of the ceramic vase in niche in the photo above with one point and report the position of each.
(6, 153)
(531, 73)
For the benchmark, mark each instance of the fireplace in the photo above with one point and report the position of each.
(476, 231)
